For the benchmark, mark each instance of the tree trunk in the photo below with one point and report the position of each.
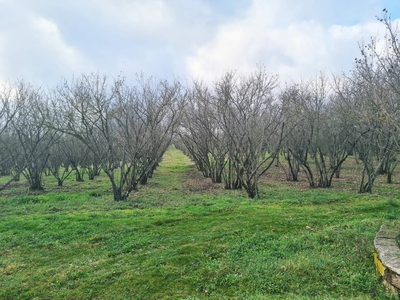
(143, 180)
(36, 181)
(251, 189)
(78, 175)
(389, 177)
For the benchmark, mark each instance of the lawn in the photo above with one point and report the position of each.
(182, 237)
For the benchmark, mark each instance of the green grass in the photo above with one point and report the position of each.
(180, 237)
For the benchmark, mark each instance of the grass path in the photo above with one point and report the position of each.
(181, 237)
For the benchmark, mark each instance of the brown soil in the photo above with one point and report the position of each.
(195, 182)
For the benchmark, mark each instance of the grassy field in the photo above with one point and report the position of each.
(181, 237)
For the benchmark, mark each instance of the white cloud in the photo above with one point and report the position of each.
(2, 54)
(55, 48)
(145, 18)
(45, 39)
(286, 43)
(32, 48)
(158, 22)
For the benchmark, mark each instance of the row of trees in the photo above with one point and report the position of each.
(237, 127)
(234, 130)
(89, 124)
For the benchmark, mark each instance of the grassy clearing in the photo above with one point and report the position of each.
(181, 237)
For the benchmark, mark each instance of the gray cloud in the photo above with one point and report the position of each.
(292, 38)
(44, 40)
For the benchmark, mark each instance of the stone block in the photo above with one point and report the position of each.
(387, 257)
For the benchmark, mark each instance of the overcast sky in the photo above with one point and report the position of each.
(42, 41)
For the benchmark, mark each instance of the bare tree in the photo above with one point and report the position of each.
(58, 161)
(295, 149)
(376, 139)
(203, 139)
(149, 117)
(380, 63)
(374, 85)
(91, 165)
(9, 107)
(127, 129)
(251, 119)
(320, 138)
(35, 139)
